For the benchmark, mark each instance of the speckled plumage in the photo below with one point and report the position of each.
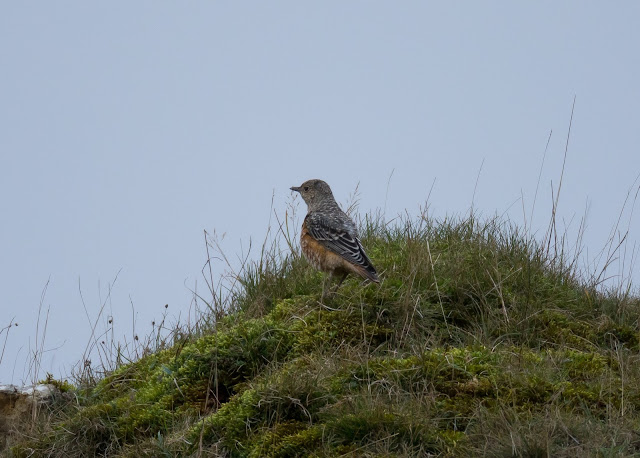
(329, 238)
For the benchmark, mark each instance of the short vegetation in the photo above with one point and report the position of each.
(480, 341)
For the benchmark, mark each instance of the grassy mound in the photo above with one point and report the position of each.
(479, 341)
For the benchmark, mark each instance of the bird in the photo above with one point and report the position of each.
(329, 238)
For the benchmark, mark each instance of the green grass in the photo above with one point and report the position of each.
(479, 340)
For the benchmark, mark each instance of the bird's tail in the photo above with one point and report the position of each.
(368, 273)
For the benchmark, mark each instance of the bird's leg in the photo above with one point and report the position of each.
(335, 288)
(325, 284)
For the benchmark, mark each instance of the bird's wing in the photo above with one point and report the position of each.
(338, 234)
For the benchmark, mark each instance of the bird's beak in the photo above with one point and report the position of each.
(295, 188)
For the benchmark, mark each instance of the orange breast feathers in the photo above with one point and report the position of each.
(324, 259)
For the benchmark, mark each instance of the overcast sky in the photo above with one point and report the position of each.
(129, 128)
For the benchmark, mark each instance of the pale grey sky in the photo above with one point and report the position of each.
(127, 128)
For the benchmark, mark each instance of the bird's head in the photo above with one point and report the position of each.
(316, 193)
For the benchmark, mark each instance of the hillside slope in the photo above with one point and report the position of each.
(479, 341)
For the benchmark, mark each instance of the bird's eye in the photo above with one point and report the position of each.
(306, 188)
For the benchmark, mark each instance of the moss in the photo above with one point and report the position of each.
(582, 365)
(285, 439)
(476, 335)
(450, 440)
(229, 425)
(375, 424)
(559, 327)
(62, 385)
(329, 328)
(611, 334)
(450, 371)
